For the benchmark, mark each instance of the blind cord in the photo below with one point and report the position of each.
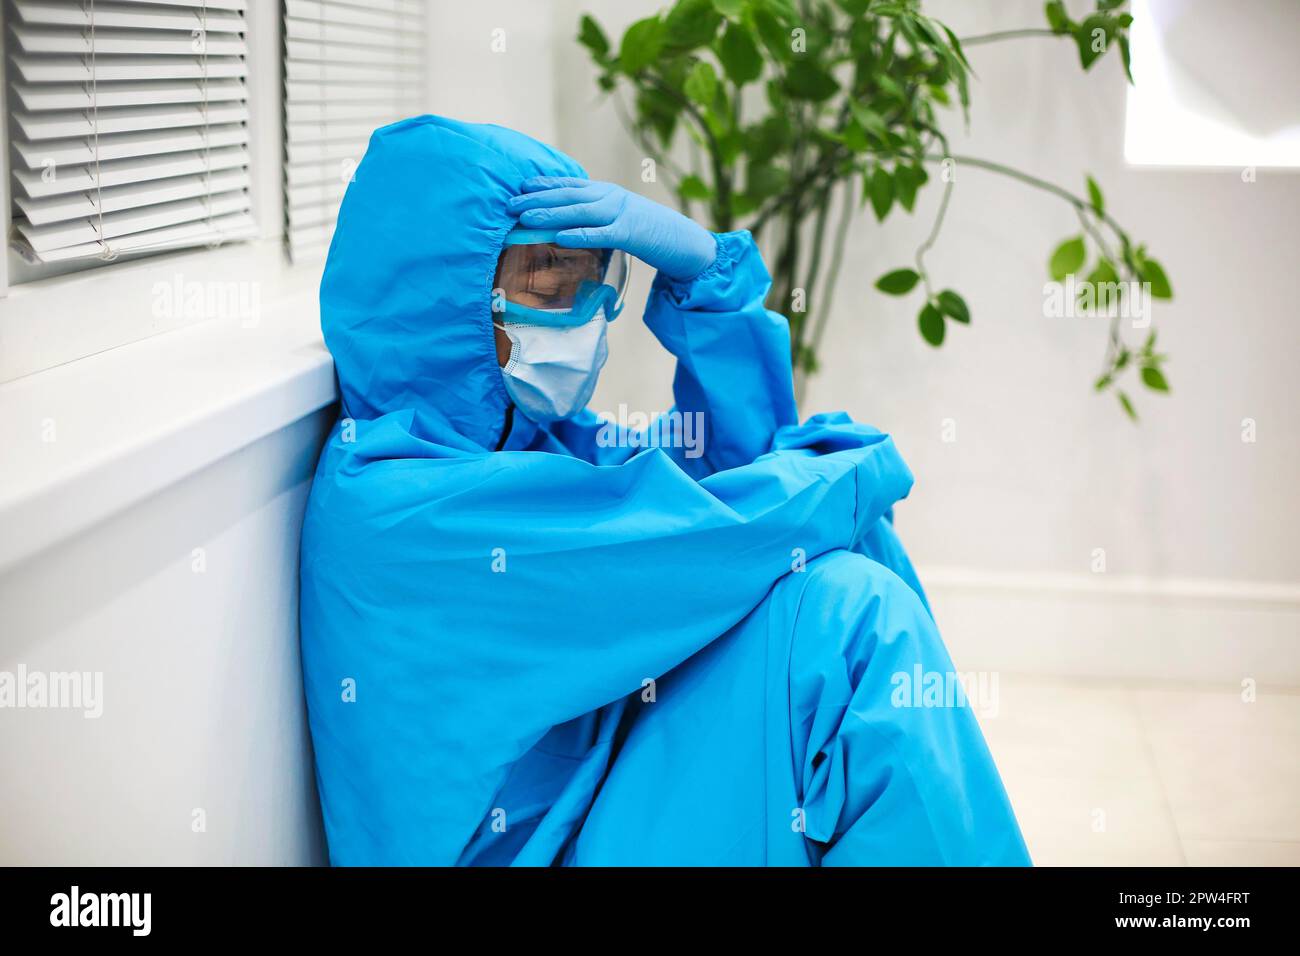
(108, 254)
(207, 131)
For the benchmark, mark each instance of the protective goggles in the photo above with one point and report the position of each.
(546, 284)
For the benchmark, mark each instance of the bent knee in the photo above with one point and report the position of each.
(852, 606)
(847, 578)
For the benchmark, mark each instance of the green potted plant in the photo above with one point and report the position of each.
(800, 113)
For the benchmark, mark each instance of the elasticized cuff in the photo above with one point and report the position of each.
(732, 246)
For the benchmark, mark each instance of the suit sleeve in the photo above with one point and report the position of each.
(733, 388)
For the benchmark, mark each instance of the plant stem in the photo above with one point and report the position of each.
(1009, 35)
(832, 278)
(1083, 207)
(675, 173)
(814, 267)
(798, 193)
(925, 247)
(722, 215)
(1097, 237)
(1059, 191)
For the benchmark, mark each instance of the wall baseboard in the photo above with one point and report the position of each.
(1112, 626)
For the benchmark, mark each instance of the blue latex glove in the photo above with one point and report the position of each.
(595, 215)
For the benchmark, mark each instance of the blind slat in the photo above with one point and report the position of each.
(199, 232)
(43, 212)
(130, 119)
(127, 15)
(68, 179)
(45, 239)
(349, 68)
(125, 145)
(67, 69)
(77, 96)
(371, 15)
(130, 125)
(109, 43)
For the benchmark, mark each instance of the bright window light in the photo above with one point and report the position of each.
(1215, 84)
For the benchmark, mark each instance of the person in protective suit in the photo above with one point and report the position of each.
(524, 643)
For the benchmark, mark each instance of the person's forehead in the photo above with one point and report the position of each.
(549, 252)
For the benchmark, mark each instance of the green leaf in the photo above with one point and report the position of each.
(768, 138)
(641, 45)
(931, 324)
(1066, 259)
(1102, 273)
(954, 306)
(1151, 271)
(774, 36)
(805, 80)
(690, 24)
(739, 55)
(763, 180)
(1154, 379)
(593, 38)
(731, 9)
(898, 282)
(702, 84)
(956, 45)
(1102, 383)
(1127, 405)
(1083, 38)
(1125, 57)
(907, 180)
(1095, 197)
(1057, 18)
(693, 187)
(881, 191)
(659, 111)
(869, 120)
(928, 34)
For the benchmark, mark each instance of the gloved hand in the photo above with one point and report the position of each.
(595, 215)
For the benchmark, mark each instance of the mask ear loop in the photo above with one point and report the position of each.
(514, 350)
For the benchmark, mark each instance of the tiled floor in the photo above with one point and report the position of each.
(1117, 774)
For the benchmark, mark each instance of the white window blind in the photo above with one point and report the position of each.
(129, 128)
(349, 67)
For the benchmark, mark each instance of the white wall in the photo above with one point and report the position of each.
(1043, 471)
(187, 604)
(494, 63)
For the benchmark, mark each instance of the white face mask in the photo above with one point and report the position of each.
(552, 371)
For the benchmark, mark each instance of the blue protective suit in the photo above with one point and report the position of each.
(562, 652)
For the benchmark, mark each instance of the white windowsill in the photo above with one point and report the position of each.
(86, 439)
